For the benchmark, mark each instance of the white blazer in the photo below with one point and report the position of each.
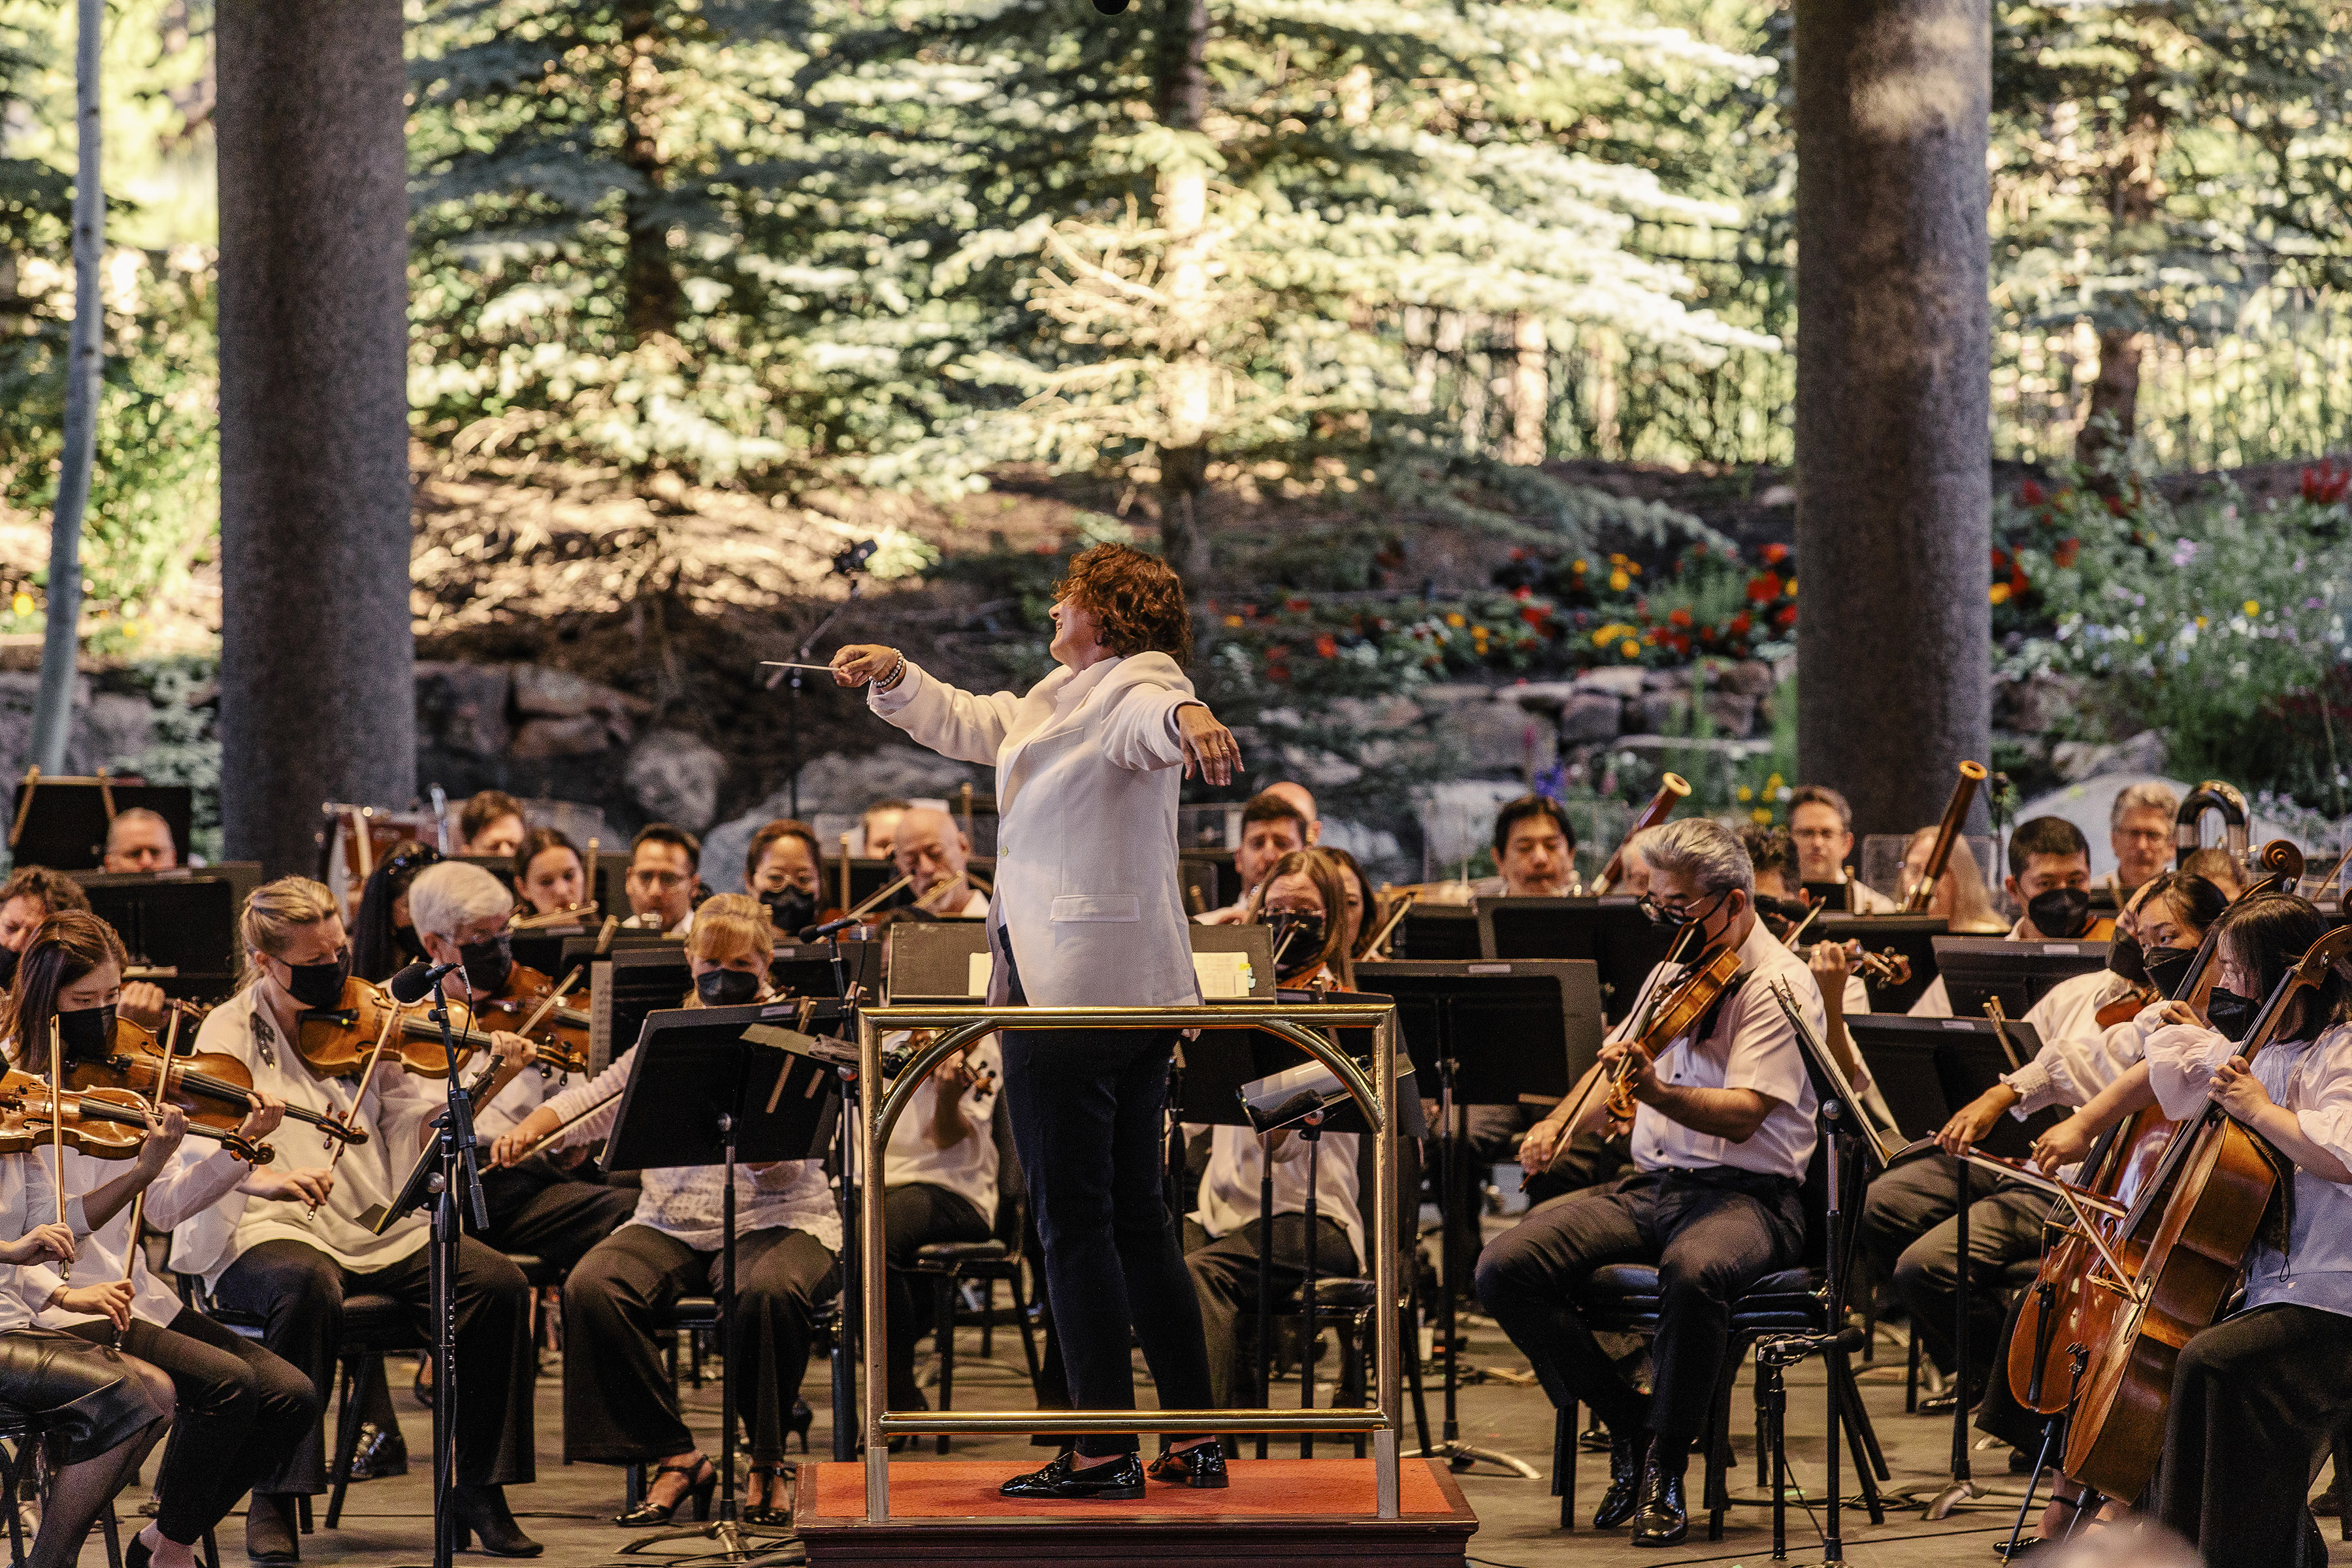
(1088, 770)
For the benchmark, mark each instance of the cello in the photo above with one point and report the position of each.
(2075, 1298)
(2191, 1231)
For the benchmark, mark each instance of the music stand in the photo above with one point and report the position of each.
(1611, 932)
(61, 822)
(1488, 1034)
(1439, 933)
(179, 926)
(727, 1085)
(806, 969)
(2021, 973)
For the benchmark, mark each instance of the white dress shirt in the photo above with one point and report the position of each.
(1752, 1046)
(687, 1202)
(28, 1197)
(2313, 1078)
(966, 1167)
(201, 1173)
(393, 1111)
(1229, 1186)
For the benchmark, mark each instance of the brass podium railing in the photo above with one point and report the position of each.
(959, 1027)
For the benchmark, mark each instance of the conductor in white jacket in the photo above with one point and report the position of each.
(1088, 912)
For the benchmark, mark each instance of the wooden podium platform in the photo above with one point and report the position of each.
(946, 1512)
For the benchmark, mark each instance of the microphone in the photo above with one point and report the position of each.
(416, 982)
(818, 933)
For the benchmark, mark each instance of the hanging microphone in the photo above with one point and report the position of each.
(416, 982)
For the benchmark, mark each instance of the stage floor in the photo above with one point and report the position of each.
(386, 1523)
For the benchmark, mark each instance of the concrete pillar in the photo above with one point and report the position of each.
(1894, 434)
(317, 658)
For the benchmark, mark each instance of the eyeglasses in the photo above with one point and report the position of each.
(654, 878)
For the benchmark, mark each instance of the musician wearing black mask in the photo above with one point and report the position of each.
(31, 895)
(2049, 879)
(549, 1207)
(784, 871)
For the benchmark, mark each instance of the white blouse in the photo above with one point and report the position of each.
(966, 1167)
(29, 1197)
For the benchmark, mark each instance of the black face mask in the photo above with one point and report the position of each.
(2166, 965)
(2061, 914)
(2127, 958)
(487, 964)
(86, 1032)
(404, 937)
(727, 988)
(2230, 1012)
(790, 909)
(320, 985)
(8, 957)
(1298, 940)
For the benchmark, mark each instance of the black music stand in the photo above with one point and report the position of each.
(179, 926)
(1485, 1034)
(61, 822)
(1977, 969)
(707, 1088)
(1610, 932)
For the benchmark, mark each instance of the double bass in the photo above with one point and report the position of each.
(2188, 1238)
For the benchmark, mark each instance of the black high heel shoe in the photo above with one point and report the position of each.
(482, 1516)
(765, 1511)
(704, 1481)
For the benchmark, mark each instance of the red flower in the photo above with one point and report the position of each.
(1327, 645)
(2324, 483)
(2000, 558)
(1518, 553)
(1786, 616)
(2118, 506)
(1523, 592)
(1534, 614)
(1775, 554)
(1763, 588)
(1738, 626)
(2030, 493)
(2064, 555)
(1679, 617)
(1297, 605)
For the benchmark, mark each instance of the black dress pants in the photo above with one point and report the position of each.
(243, 1413)
(1910, 1226)
(1711, 1233)
(1225, 1275)
(299, 1291)
(619, 1407)
(1088, 1110)
(914, 1215)
(542, 1210)
(2255, 1401)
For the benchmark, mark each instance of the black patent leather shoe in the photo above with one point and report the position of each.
(381, 1453)
(1202, 1465)
(1625, 1494)
(1121, 1481)
(482, 1514)
(1663, 1521)
(270, 1529)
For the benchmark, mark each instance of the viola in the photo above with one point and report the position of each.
(1672, 1014)
(338, 1041)
(2191, 1231)
(558, 1034)
(214, 1089)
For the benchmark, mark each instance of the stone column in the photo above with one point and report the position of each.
(1894, 434)
(316, 658)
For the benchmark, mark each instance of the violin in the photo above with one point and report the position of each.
(214, 1089)
(337, 1042)
(558, 1034)
(103, 1123)
(2186, 1241)
(1673, 1014)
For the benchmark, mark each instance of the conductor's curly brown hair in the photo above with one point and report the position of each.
(1137, 600)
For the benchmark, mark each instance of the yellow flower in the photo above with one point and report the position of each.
(1745, 795)
(2200, 622)
(1619, 582)
(2000, 593)
(1630, 648)
(1761, 816)
(1635, 567)
(2253, 607)
(1790, 587)
(1453, 619)
(22, 604)
(1232, 620)
(1774, 783)
(1580, 566)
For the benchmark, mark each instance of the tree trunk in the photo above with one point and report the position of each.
(85, 367)
(1184, 209)
(2134, 192)
(318, 690)
(1894, 390)
(2113, 409)
(1530, 392)
(651, 282)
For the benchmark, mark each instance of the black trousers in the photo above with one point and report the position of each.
(619, 1407)
(1711, 1233)
(298, 1290)
(1910, 1227)
(1088, 1110)
(913, 1217)
(2255, 1401)
(541, 1209)
(1224, 1276)
(243, 1413)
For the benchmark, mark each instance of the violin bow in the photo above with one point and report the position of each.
(154, 1108)
(367, 1071)
(58, 1126)
(555, 995)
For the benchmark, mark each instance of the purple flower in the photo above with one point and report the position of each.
(2184, 551)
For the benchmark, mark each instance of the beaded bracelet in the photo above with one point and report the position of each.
(897, 673)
